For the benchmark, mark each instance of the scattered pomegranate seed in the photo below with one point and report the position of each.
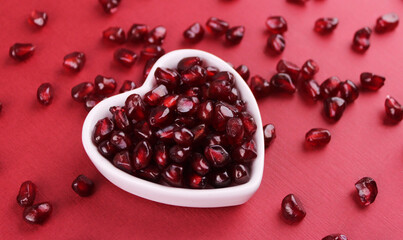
(38, 19)
(387, 23)
(74, 61)
(137, 33)
(157, 35)
(173, 175)
(127, 86)
(235, 35)
(114, 35)
(91, 101)
(330, 87)
(312, 89)
(269, 133)
(103, 129)
(83, 186)
(348, 91)
(22, 51)
(326, 25)
(240, 174)
(275, 44)
(393, 109)
(152, 51)
(38, 213)
(366, 190)
(289, 68)
(361, 40)
(125, 57)
(194, 33)
(142, 155)
(317, 137)
(334, 108)
(282, 82)
(104, 85)
(221, 178)
(370, 81)
(335, 237)
(292, 209)
(259, 86)
(243, 70)
(309, 69)
(109, 6)
(217, 26)
(26, 195)
(45, 94)
(81, 91)
(276, 24)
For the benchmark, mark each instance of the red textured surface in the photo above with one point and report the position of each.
(43, 144)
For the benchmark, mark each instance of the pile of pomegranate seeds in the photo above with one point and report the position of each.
(109, 6)
(317, 137)
(21, 51)
(335, 237)
(387, 23)
(83, 186)
(38, 19)
(45, 94)
(366, 191)
(74, 61)
(292, 209)
(393, 109)
(325, 25)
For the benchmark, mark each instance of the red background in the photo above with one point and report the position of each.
(43, 144)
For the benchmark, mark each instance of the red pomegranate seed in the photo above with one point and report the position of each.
(269, 133)
(393, 109)
(38, 213)
(200, 132)
(38, 19)
(186, 106)
(74, 61)
(387, 23)
(292, 209)
(127, 86)
(240, 174)
(276, 24)
(160, 116)
(125, 57)
(217, 26)
(135, 107)
(222, 112)
(194, 76)
(220, 90)
(114, 35)
(317, 137)
(142, 131)
(103, 129)
(155, 96)
(150, 173)
(224, 76)
(83, 186)
(173, 175)
(211, 71)
(26, 195)
(183, 137)
(240, 105)
(123, 162)
(142, 154)
(289, 68)
(216, 155)
(179, 154)
(370, 81)
(348, 91)
(137, 33)
(186, 63)
(235, 131)
(282, 82)
(205, 111)
(104, 85)
(335, 237)
(81, 91)
(120, 140)
(275, 44)
(194, 33)
(326, 25)
(161, 155)
(220, 178)
(156, 35)
(361, 40)
(91, 101)
(243, 70)
(312, 89)
(259, 86)
(167, 77)
(249, 124)
(196, 181)
(366, 190)
(235, 35)
(330, 87)
(245, 153)
(106, 149)
(170, 101)
(199, 164)
(334, 108)
(309, 69)
(147, 67)
(109, 6)
(22, 51)
(152, 51)
(45, 94)
(166, 134)
(216, 139)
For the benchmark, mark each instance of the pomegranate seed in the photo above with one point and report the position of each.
(150, 173)
(156, 35)
(334, 108)
(259, 86)
(205, 111)
(152, 51)
(317, 137)
(127, 86)
(292, 209)
(216, 139)
(289, 68)
(240, 105)
(220, 90)
(38, 213)
(312, 89)
(155, 96)
(173, 175)
(224, 76)
(387, 23)
(104, 85)
(235, 131)
(217, 26)
(186, 63)
(216, 155)
(81, 91)
(137, 33)
(166, 134)
(222, 112)
(179, 154)
(38, 19)
(103, 129)
(83, 186)
(335, 237)
(240, 174)
(123, 162)
(109, 6)
(26, 195)
(160, 116)
(194, 76)
(275, 44)
(235, 35)
(199, 132)
(326, 25)
(142, 131)
(125, 57)
(147, 67)
(114, 35)
(170, 101)
(107, 149)
(330, 87)
(282, 82)
(194, 33)
(74, 61)
(161, 155)
(249, 124)
(211, 71)
(142, 154)
(91, 101)
(167, 77)
(361, 40)
(186, 106)
(309, 69)
(269, 133)
(199, 164)
(276, 24)
(135, 107)
(348, 91)
(120, 140)
(370, 81)
(22, 51)
(366, 190)
(196, 181)
(221, 179)
(245, 153)
(183, 137)
(393, 109)
(45, 94)
(243, 70)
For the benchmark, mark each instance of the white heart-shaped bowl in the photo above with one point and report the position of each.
(220, 197)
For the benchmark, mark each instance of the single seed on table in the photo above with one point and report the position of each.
(83, 186)
(292, 209)
(366, 191)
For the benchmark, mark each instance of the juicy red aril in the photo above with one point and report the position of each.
(142, 131)
(135, 107)
(142, 154)
(197, 181)
(290, 68)
(366, 190)
(335, 237)
(186, 63)
(194, 33)
(235, 35)
(109, 6)
(167, 77)
(173, 175)
(220, 90)
(240, 105)
(104, 85)
(249, 124)
(309, 69)
(269, 134)
(235, 131)
(106, 149)
(220, 178)
(334, 108)
(243, 70)
(200, 132)
(38, 213)
(147, 67)
(127, 86)
(205, 111)
(224, 76)
(45, 94)
(161, 155)
(103, 129)
(120, 140)
(38, 19)
(152, 51)
(348, 91)
(155, 96)
(156, 35)
(170, 101)
(183, 137)
(137, 33)
(386, 23)
(123, 162)
(26, 195)
(91, 101)
(216, 139)
(276, 24)
(74, 61)
(216, 155)
(259, 86)
(199, 164)
(81, 91)
(120, 118)
(194, 76)
(317, 137)
(275, 44)
(166, 134)
(160, 116)
(22, 51)
(150, 173)
(211, 71)
(179, 154)
(370, 81)
(282, 82)
(361, 40)
(217, 26)
(245, 153)
(326, 25)
(240, 174)
(186, 106)
(83, 186)
(393, 109)
(125, 57)
(330, 87)
(114, 35)
(292, 209)
(222, 112)
(312, 89)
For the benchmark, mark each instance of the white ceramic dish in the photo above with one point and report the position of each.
(222, 197)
